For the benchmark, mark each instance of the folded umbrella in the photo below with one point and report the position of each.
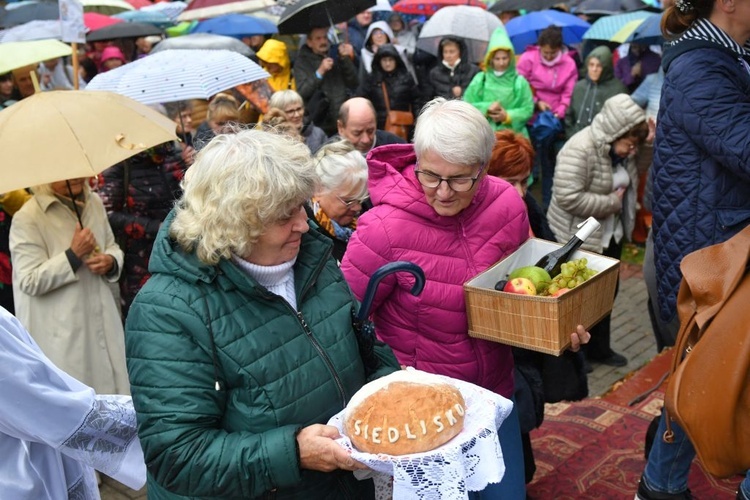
(61, 135)
(474, 25)
(524, 30)
(178, 75)
(203, 41)
(19, 54)
(304, 15)
(236, 25)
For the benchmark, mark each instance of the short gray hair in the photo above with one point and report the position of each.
(455, 131)
(283, 98)
(47, 189)
(239, 184)
(339, 164)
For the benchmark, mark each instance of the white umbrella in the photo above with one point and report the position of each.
(381, 6)
(474, 24)
(33, 30)
(177, 75)
(169, 9)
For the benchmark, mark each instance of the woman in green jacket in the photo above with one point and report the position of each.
(241, 346)
(499, 92)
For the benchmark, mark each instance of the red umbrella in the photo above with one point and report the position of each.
(139, 4)
(95, 21)
(429, 7)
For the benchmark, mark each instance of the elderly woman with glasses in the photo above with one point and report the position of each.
(341, 192)
(291, 103)
(241, 346)
(434, 205)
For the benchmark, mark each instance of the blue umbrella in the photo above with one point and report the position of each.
(648, 32)
(524, 30)
(236, 25)
(605, 28)
(147, 17)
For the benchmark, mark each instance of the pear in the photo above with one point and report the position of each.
(536, 275)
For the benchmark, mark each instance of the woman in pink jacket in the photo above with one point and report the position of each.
(434, 206)
(552, 74)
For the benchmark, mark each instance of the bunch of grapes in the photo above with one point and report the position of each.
(572, 274)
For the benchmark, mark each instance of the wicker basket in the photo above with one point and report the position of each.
(541, 324)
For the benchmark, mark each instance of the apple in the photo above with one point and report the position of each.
(537, 275)
(560, 292)
(523, 286)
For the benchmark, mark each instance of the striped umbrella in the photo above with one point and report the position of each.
(606, 27)
(177, 75)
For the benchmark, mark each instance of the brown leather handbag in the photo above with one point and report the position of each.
(396, 122)
(709, 387)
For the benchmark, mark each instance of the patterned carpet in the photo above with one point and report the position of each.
(593, 449)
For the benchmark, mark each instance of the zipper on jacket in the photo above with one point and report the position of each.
(323, 355)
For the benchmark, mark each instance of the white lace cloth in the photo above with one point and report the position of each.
(468, 462)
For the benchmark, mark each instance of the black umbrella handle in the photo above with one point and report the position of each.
(377, 277)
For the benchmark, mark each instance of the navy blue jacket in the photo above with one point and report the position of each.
(701, 171)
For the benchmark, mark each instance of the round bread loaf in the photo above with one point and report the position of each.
(405, 412)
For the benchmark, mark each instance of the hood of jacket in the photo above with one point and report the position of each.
(604, 55)
(382, 26)
(275, 51)
(499, 41)
(392, 182)
(619, 114)
(387, 50)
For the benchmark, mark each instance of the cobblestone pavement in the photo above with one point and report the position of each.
(631, 336)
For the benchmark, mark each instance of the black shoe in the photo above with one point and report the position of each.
(646, 493)
(587, 366)
(613, 359)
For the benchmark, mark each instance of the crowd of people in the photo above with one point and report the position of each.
(217, 277)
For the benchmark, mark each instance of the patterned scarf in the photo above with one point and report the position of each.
(330, 226)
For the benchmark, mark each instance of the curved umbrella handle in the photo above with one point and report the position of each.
(377, 277)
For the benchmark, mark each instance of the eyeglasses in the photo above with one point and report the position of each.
(457, 184)
(296, 111)
(349, 203)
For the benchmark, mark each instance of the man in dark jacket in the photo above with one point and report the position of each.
(324, 82)
(357, 124)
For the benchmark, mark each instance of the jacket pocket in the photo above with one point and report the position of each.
(732, 219)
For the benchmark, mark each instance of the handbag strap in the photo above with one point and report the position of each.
(385, 96)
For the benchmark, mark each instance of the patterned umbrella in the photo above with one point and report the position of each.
(429, 7)
(177, 75)
(605, 28)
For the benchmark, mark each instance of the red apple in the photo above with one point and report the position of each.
(523, 286)
(560, 292)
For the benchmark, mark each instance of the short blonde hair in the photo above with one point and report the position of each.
(240, 184)
(339, 164)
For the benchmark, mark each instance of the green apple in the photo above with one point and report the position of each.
(536, 275)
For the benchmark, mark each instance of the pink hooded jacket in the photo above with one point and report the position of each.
(429, 332)
(553, 85)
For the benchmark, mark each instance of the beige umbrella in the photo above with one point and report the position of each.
(59, 135)
(19, 54)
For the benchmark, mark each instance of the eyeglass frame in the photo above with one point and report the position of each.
(447, 179)
(349, 203)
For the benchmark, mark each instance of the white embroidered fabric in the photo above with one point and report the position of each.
(468, 462)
